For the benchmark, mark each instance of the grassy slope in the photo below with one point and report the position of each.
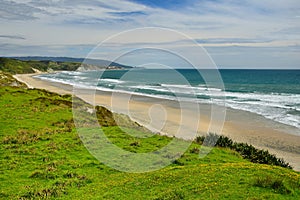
(15, 66)
(42, 157)
(6, 79)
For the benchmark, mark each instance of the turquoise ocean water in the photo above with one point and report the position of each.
(274, 94)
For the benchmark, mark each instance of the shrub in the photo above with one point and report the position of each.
(135, 143)
(195, 150)
(247, 151)
(199, 139)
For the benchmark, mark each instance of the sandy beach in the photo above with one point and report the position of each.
(168, 117)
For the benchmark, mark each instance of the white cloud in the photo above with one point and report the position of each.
(249, 23)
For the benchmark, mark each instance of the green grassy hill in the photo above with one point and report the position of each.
(42, 157)
(15, 66)
(97, 62)
(24, 65)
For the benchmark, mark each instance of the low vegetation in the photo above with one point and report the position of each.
(42, 157)
(15, 66)
(6, 79)
(247, 151)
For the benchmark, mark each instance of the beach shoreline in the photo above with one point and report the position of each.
(242, 126)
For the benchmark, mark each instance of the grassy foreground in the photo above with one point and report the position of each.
(43, 157)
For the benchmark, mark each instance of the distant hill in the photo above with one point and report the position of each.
(23, 65)
(97, 62)
(15, 66)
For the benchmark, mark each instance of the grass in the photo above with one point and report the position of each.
(6, 79)
(42, 157)
(15, 66)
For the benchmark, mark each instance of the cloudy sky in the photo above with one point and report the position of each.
(235, 33)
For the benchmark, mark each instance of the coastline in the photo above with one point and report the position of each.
(241, 126)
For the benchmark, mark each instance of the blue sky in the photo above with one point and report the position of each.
(236, 34)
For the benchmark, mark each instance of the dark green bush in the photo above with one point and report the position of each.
(247, 151)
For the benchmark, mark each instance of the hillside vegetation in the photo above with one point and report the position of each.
(6, 79)
(24, 65)
(42, 157)
(88, 61)
(15, 66)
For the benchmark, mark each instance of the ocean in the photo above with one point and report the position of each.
(274, 94)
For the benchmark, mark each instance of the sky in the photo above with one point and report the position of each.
(236, 34)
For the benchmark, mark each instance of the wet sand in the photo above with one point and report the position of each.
(186, 119)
